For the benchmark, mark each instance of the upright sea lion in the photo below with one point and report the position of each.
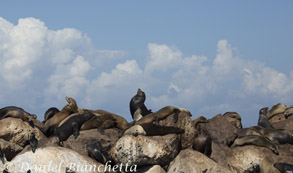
(137, 102)
(263, 121)
(203, 144)
(33, 142)
(274, 135)
(200, 119)
(149, 129)
(96, 151)
(53, 122)
(162, 113)
(284, 167)
(72, 126)
(255, 140)
(16, 112)
(50, 113)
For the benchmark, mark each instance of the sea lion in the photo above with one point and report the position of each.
(257, 141)
(53, 122)
(149, 129)
(16, 112)
(118, 120)
(263, 120)
(284, 167)
(99, 121)
(136, 102)
(163, 113)
(274, 135)
(234, 119)
(72, 126)
(50, 113)
(267, 165)
(200, 119)
(33, 142)
(203, 144)
(276, 109)
(96, 151)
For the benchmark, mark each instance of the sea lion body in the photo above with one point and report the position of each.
(16, 112)
(50, 113)
(96, 151)
(52, 123)
(161, 114)
(203, 144)
(255, 140)
(137, 102)
(72, 126)
(99, 121)
(284, 167)
(276, 109)
(274, 135)
(263, 120)
(150, 129)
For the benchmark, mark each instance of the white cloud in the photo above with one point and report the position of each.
(39, 65)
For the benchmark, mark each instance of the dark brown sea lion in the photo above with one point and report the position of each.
(96, 151)
(16, 112)
(149, 129)
(274, 135)
(162, 113)
(257, 141)
(136, 102)
(52, 123)
(50, 113)
(284, 167)
(72, 126)
(263, 120)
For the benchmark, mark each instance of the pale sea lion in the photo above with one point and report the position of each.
(137, 102)
(276, 109)
(200, 119)
(149, 129)
(72, 126)
(284, 167)
(162, 113)
(50, 113)
(99, 121)
(257, 141)
(53, 122)
(118, 120)
(267, 165)
(274, 135)
(263, 121)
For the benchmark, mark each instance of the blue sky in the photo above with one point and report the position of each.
(207, 56)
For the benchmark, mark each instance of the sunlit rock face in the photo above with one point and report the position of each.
(145, 150)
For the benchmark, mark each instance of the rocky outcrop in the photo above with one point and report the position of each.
(18, 131)
(9, 149)
(192, 161)
(145, 150)
(184, 122)
(220, 130)
(151, 169)
(52, 159)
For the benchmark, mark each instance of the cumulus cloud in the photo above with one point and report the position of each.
(39, 67)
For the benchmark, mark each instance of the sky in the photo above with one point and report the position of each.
(210, 57)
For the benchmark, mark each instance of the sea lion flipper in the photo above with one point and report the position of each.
(32, 124)
(176, 115)
(75, 130)
(2, 156)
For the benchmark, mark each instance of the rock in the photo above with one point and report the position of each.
(145, 150)
(17, 131)
(247, 158)
(52, 159)
(87, 137)
(285, 153)
(151, 169)
(288, 112)
(220, 130)
(234, 119)
(287, 125)
(184, 122)
(192, 161)
(9, 149)
(220, 152)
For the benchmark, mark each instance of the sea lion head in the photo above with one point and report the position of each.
(140, 93)
(263, 111)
